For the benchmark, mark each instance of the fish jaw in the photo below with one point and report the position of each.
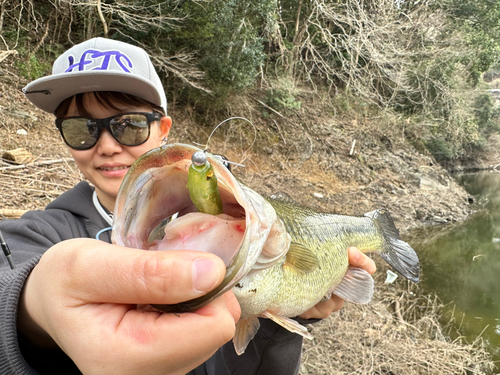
(155, 188)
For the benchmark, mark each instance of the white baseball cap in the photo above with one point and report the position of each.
(98, 64)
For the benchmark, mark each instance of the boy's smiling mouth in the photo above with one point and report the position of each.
(116, 168)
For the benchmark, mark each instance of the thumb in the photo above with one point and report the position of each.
(95, 271)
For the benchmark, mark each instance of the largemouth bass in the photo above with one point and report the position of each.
(281, 259)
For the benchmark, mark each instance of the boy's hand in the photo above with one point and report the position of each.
(82, 297)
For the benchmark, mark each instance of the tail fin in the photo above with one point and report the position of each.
(396, 252)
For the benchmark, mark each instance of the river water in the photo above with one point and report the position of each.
(461, 264)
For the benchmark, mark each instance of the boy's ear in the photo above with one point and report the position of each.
(165, 125)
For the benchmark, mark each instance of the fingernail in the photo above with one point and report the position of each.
(206, 274)
(354, 254)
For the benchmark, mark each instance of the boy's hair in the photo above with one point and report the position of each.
(107, 99)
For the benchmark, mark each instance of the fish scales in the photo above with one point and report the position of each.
(304, 223)
(329, 237)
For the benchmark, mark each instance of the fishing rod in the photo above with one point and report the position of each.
(6, 251)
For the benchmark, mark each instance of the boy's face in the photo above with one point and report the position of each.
(105, 164)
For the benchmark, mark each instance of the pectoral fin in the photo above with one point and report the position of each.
(301, 258)
(246, 329)
(289, 324)
(356, 286)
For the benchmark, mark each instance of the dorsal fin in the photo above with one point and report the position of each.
(301, 258)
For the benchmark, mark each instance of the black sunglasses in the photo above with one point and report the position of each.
(128, 129)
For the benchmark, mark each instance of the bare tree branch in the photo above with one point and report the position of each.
(101, 17)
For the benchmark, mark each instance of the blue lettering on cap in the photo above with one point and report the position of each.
(90, 55)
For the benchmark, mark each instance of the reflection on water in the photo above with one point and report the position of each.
(461, 264)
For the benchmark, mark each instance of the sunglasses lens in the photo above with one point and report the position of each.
(79, 133)
(130, 129)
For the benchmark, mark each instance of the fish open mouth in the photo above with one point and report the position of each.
(187, 228)
(154, 190)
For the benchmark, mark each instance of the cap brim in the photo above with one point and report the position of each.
(48, 92)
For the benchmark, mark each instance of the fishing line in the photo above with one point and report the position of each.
(100, 209)
(229, 119)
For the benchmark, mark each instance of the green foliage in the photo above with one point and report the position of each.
(479, 23)
(494, 124)
(226, 37)
(32, 68)
(440, 148)
(483, 107)
(419, 145)
(282, 95)
(487, 114)
(453, 137)
(283, 100)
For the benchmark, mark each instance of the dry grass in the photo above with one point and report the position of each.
(34, 186)
(52, 171)
(369, 339)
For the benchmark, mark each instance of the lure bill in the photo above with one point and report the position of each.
(281, 258)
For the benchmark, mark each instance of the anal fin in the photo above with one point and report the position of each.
(288, 324)
(356, 286)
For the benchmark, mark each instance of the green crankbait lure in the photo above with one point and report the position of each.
(202, 185)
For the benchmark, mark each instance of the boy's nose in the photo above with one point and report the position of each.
(107, 145)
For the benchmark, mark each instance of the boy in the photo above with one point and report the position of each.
(69, 307)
